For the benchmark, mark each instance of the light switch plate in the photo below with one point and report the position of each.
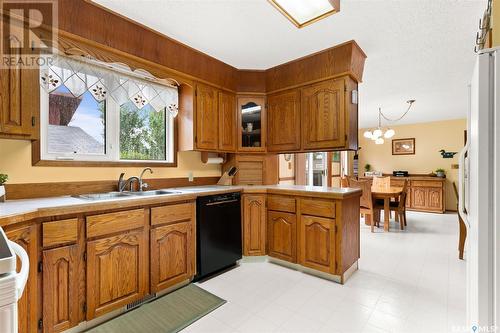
(190, 176)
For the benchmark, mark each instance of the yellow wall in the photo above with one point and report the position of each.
(429, 139)
(286, 169)
(495, 22)
(15, 160)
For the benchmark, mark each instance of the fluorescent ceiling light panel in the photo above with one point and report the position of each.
(304, 12)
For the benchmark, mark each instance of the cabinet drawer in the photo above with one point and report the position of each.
(316, 207)
(281, 204)
(172, 213)
(103, 224)
(59, 232)
(426, 183)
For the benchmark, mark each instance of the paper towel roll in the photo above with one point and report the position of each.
(215, 160)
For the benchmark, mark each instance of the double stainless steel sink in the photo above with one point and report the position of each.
(113, 195)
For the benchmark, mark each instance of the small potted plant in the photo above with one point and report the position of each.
(368, 167)
(3, 180)
(440, 172)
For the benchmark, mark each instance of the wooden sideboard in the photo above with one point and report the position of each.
(424, 193)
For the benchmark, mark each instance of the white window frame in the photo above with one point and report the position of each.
(112, 139)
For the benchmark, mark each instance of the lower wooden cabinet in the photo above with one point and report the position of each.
(254, 225)
(172, 255)
(317, 243)
(428, 199)
(117, 271)
(28, 305)
(282, 235)
(60, 288)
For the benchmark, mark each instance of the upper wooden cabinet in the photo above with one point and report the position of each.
(251, 124)
(19, 103)
(207, 118)
(323, 115)
(283, 119)
(227, 122)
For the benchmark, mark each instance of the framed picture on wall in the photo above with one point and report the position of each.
(403, 146)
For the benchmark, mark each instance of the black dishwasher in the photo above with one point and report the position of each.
(218, 233)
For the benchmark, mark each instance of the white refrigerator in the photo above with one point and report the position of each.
(479, 201)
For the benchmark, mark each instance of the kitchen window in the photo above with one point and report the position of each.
(98, 112)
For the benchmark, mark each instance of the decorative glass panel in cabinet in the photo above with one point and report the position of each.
(252, 126)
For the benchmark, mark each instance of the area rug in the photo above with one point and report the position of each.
(170, 313)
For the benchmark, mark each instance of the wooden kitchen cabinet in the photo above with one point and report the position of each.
(117, 261)
(323, 115)
(117, 271)
(254, 224)
(428, 196)
(172, 255)
(29, 304)
(317, 243)
(282, 235)
(283, 121)
(227, 122)
(60, 288)
(254, 169)
(252, 124)
(19, 103)
(207, 118)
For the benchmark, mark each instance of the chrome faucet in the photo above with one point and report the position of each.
(122, 183)
(142, 184)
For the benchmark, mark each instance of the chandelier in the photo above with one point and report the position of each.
(380, 133)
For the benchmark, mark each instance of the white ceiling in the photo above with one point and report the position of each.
(420, 49)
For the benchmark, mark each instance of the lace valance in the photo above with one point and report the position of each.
(110, 80)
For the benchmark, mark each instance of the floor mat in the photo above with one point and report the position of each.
(169, 313)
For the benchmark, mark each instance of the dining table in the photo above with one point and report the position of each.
(386, 193)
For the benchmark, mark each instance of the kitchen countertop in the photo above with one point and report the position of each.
(16, 211)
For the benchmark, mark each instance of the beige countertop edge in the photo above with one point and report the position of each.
(112, 204)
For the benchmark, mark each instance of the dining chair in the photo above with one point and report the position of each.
(344, 182)
(366, 201)
(398, 206)
(383, 182)
(461, 227)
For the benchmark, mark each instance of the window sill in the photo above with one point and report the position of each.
(103, 164)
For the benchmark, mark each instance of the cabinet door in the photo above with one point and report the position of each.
(19, 103)
(207, 136)
(251, 124)
(283, 121)
(227, 122)
(117, 272)
(60, 288)
(282, 235)
(435, 199)
(172, 255)
(323, 115)
(254, 225)
(317, 243)
(418, 198)
(27, 306)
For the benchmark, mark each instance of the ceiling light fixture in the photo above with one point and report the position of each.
(376, 135)
(305, 12)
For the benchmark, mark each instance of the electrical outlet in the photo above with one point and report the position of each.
(190, 176)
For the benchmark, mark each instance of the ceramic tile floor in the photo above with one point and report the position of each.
(410, 281)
